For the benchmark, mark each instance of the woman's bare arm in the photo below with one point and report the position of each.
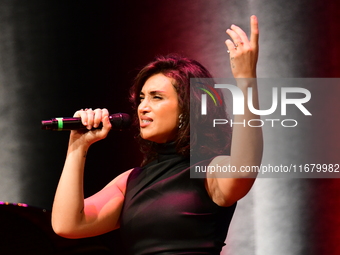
(72, 216)
(247, 141)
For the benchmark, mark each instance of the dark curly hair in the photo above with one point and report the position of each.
(206, 142)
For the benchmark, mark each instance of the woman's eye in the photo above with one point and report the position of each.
(157, 97)
(141, 98)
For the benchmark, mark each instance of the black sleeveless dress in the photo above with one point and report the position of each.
(167, 212)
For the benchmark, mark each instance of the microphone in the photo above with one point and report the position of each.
(119, 121)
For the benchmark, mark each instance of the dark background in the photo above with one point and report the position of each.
(60, 56)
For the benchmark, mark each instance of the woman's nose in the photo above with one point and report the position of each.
(144, 106)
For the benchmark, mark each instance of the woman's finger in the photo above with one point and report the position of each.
(86, 117)
(235, 37)
(254, 31)
(106, 124)
(105, 112)
(241, 37)
(231, 47)
(97, 117)
(81, 114)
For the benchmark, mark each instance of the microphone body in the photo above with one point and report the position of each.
(119, 121)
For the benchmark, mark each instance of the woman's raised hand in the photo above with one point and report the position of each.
(243, 51)
(92, 119)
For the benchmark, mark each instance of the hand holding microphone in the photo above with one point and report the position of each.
(97, 121)
(87, 119)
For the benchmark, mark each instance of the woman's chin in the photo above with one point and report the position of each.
(157, 138)
(153, 139)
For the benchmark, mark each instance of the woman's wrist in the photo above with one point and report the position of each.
(244, 83)
(78, 145)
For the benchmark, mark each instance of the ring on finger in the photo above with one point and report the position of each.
(238, 44)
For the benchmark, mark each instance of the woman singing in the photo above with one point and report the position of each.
(158, 207)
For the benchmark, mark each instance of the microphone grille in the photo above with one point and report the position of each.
(120, 121)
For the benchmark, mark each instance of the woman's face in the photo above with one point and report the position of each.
(158, 110)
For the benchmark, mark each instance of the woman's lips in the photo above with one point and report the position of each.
(145, 121)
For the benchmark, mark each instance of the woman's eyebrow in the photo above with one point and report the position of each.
(156, 92)
(153, 92)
